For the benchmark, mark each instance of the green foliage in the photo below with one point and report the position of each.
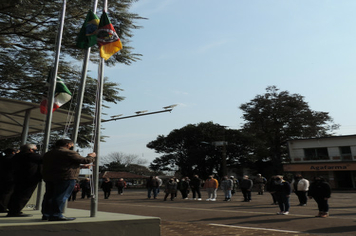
(275, 117)
(190, 150)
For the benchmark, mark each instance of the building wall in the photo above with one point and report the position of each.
(339, 169)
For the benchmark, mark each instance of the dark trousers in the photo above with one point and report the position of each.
(57, 193)
(283, 202)
(85, 193)
(196, 191)
(172, 196)
(120, 190)
(73, 196)
(246, 194)
(107, 194)
(302, 197)
(21, 195)
(184, 193)
(274, 198)
(322, 204)
(6, 189)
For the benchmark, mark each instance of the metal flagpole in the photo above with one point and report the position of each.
(50, 98)
(78, 111)
(94, 199)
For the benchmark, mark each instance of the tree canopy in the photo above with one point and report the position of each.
(277, 116)
(28, 33)
(192, 150)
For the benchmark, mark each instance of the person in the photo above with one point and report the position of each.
(61, 168)
(121, 185)
(152, 185)
(76, 189)
(211, 185)
(321, 192)
(246, 187)
(195, 185)
(270, 187)
(260, 181)
(26, 167)
(226, 186)
(6, 178)
(300, 187)
(159, 183)
(106, 185)
(282, 191)
(235, 185)
(183, 187)
(170, 189)
(86, 189)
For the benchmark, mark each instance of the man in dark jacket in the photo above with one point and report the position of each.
(195, 185)
(320, 190)
(26, 166)
(246, 187)
(152, 185)
(282, 193)
(61, 168)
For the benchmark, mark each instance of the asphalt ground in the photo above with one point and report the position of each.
(258, 217)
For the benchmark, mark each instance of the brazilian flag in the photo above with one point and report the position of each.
(87, 34)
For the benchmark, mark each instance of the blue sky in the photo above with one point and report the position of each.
(210, 57)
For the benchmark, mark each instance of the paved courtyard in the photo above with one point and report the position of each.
(258, 217)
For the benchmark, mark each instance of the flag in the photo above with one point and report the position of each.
(107, 38)
(87, 35)
(61, 96)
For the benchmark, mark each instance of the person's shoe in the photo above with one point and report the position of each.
(285, 213)
(280, 213)
(319, 214)
(324, 215)
(199, 199)
(18, 215)
(44, 217)
(195, 198)
(229, 199)
(213, 200)
(208, 199)
(62, 218)
(225, 200)
(303, 205)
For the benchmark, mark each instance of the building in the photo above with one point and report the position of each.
(333, 157)
(132, 180)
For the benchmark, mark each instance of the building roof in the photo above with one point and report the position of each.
(124, 175)
(14, 112)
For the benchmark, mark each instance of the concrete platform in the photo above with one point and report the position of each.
(104, 224)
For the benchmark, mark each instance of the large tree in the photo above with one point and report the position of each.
(192, 150)
(277, 116)
(28, 33)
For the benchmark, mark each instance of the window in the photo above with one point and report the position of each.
(345, 152)
(316, 154)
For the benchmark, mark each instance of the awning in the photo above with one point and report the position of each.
(13, 115)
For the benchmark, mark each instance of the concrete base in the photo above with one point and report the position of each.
(104, 224)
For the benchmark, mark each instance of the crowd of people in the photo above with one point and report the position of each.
(277, 186)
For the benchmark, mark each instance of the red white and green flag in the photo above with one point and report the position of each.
(62, 95)
(107, 38)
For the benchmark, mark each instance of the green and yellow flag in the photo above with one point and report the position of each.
(87, 34)
(107, 38)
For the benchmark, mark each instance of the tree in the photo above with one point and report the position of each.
(275, 117)
(123, 158)
(28, 30)
(119, 161)
(190, 150)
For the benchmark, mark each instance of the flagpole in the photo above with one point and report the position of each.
(94, 199)
(50, 98)
(81, 89)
